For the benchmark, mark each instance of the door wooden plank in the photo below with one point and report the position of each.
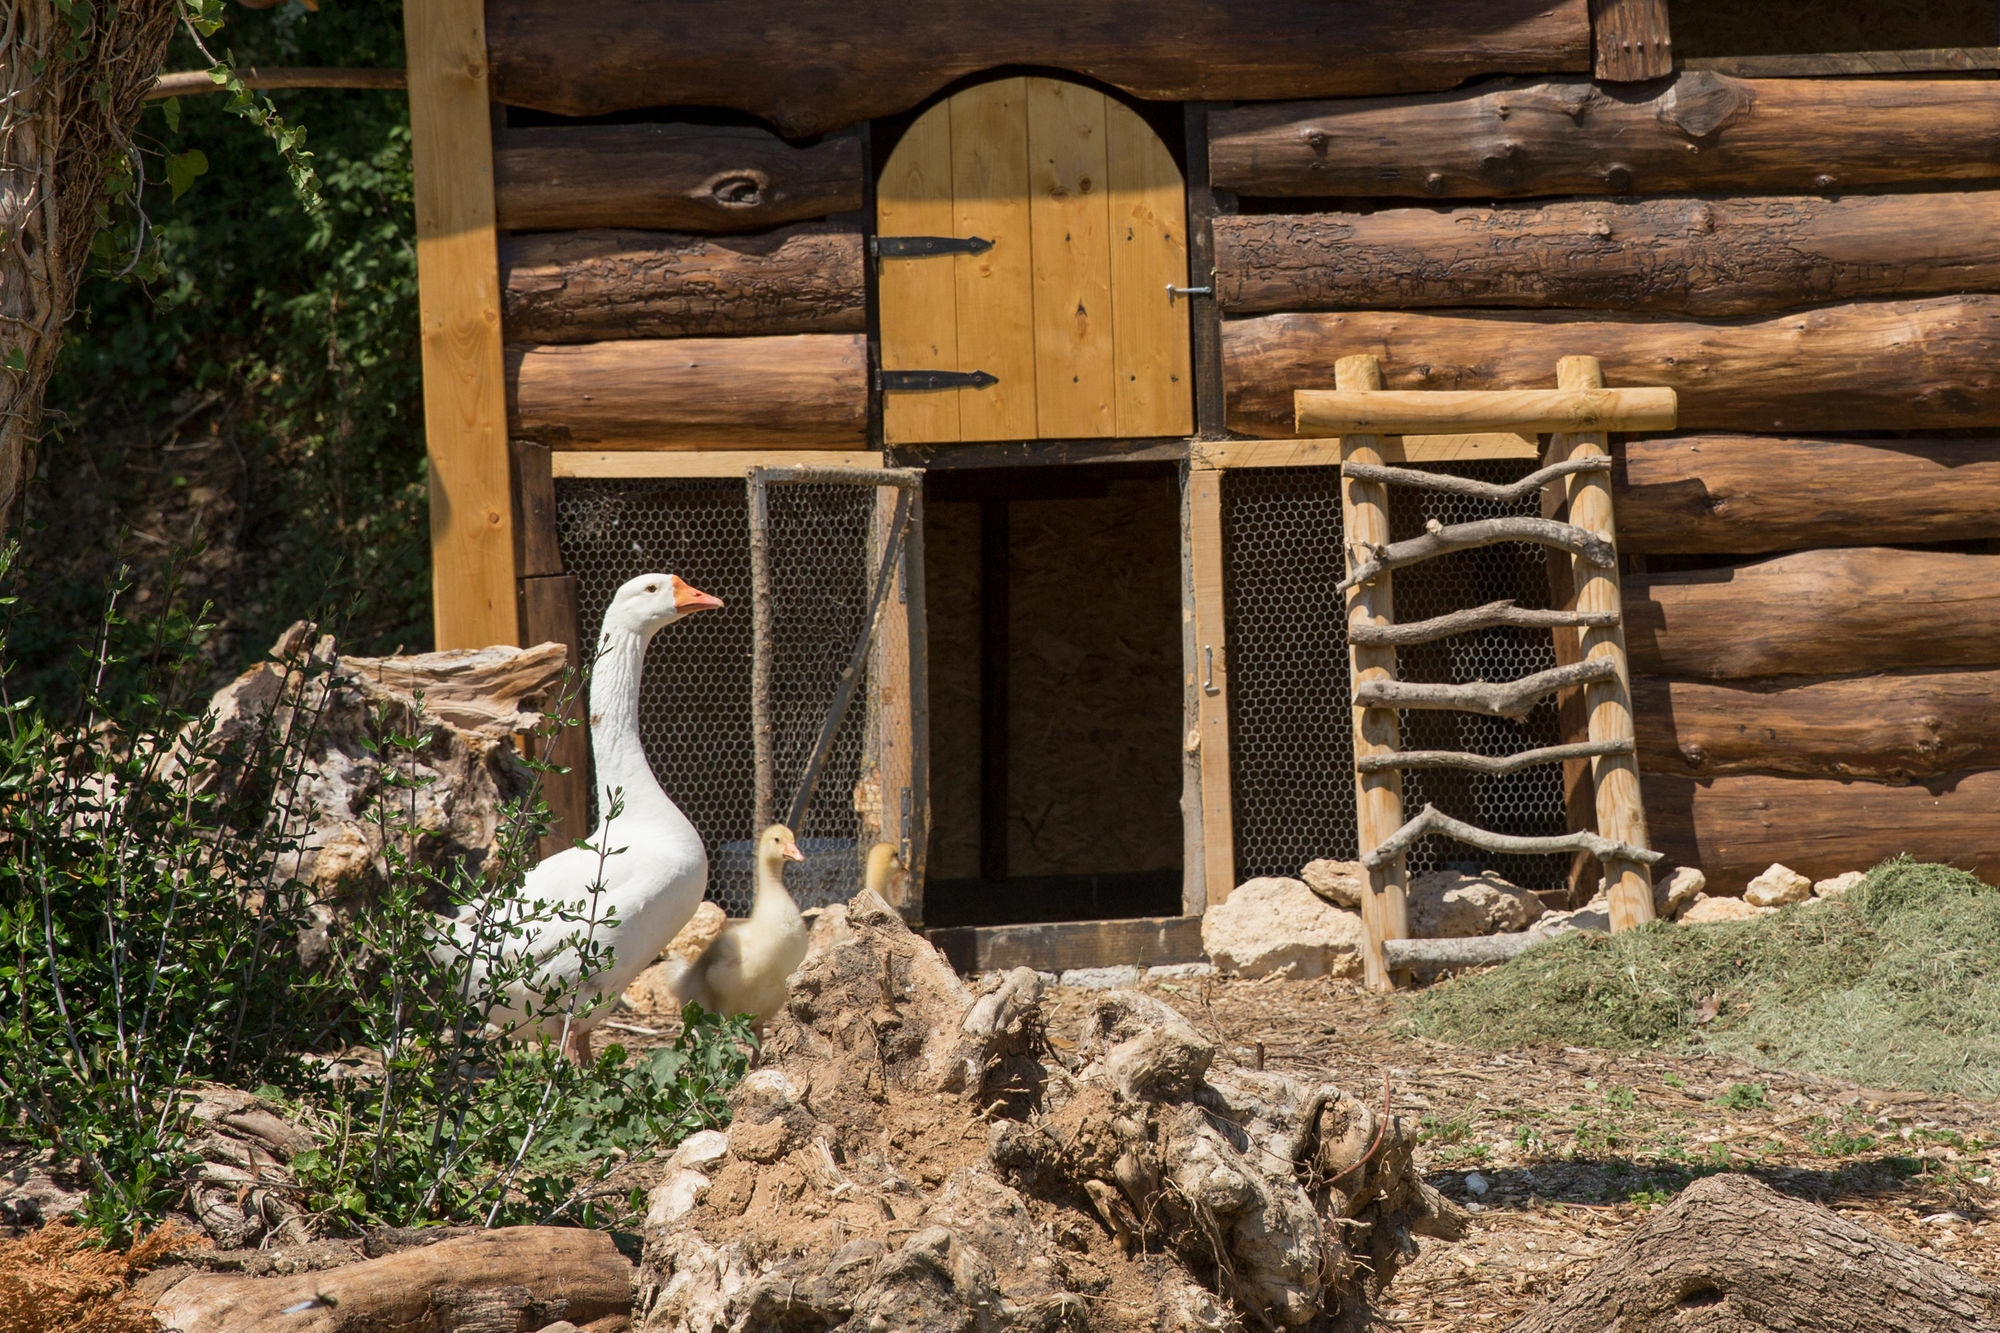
(1212, 663)
(919, 296)
(1150, 338)
(1069, 221)
(996, 311)
(458, 306)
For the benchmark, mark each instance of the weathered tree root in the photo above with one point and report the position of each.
(1732, 1255)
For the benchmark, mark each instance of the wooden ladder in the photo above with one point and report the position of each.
(1576, 416)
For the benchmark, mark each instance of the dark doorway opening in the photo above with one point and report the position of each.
(1053, 603)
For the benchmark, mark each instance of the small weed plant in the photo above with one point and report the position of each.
(151, 921)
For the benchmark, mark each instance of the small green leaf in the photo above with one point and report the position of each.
(182, 168)
(17, 358)
(171, 109)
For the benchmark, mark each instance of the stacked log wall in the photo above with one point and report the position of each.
(1813, 264)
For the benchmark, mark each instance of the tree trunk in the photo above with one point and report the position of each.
(1895, 726)
(1739, 493)
(517, 1278)
(835, 62)
(1688, 257)
(65, 119)
(1817, 613)
(1701, 131)
(1932, 364)
(1732, 1255)
(593, 286)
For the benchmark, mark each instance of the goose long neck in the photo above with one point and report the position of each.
(614, 726)
(773, 898)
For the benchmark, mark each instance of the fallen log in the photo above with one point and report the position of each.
(1893, 726)
(713, 178)
(513, 1278)
(1732, 1253)
(1442, 540)
(835, 62)
(1817, 613)
(1734, 493)
(806, 390)
(1432, 820)
(1933, 363)
(594, 286)
(1512, 699)
(1733, 827)
(1701, 131)
(1489, 616)
(1691, 257)
(1462, 950)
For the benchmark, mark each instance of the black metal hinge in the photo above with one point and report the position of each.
(909, 381)
(919, 247)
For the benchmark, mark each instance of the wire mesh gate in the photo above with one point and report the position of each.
(820, 604)
(1290, 711)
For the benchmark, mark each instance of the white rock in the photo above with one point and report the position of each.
(1179, 971)
(700, 1151)
(1677, 891)
(1446, 905)
(1839, 884)
(1776, 887)
(1342, 883)
(1101, 978)
(1279, 927)
(674, 1197)
(1475, 1183)
(1707, 911)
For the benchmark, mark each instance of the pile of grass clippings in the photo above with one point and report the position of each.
(1896, 984)
(62, 1277)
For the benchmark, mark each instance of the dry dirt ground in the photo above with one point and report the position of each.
(1576, 1147)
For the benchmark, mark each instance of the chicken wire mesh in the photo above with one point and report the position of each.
(694, 701)
(1291, 736)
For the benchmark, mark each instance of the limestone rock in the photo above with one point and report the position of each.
(1445, 904)
(1839, 884)
(1707, 911)
(1342, 883)
(1676, 892)
(1776, 887)
(1280, 928)
(649, 992)
(1102, 978)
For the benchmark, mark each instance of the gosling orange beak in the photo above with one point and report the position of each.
(688, 599)
(792, 852)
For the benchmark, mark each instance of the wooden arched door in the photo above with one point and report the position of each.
(1068, 310)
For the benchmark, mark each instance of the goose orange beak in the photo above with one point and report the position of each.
(792, 852)
(688, 599)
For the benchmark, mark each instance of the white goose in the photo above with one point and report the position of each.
(648, 865)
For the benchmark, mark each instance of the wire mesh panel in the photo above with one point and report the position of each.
(1290, 713)
(694, 702)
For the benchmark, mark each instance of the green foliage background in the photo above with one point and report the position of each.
(251, 383)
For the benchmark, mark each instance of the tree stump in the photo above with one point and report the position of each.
(1732, 1255)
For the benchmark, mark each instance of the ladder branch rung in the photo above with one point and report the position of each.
(1442, 540)
(1490, 616)
(1512, 699)
(1432, 820)
(1498, 765)
(1509, 493)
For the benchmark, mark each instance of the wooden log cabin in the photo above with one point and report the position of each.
(1073, 260)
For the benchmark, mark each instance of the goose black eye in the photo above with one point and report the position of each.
(652, 587)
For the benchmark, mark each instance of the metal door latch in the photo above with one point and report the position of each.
(1209, 686)
(912, 381)
(1174, 293)
(920, 247)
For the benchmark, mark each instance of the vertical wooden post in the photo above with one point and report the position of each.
(892, 697)
(1194, 873)
(1632, 40)
(548, 615)
(1620, 812)
(919, 824)
(1364, 512)
(762, 741)
(1204, 312)
(1218, 834)
(458, 300)
(1573, 719)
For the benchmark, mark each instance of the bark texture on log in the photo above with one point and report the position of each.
(713, 178)
(1817, 613)
(1894, 726)
(1932, 363)
(1734, 827)
(71, 90)
(1732, 1255)
(808, 390)
(595, 286)
(1734, 493)
(1698, 257)
(1701, 131)
(835, 62)
(511, 1279)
